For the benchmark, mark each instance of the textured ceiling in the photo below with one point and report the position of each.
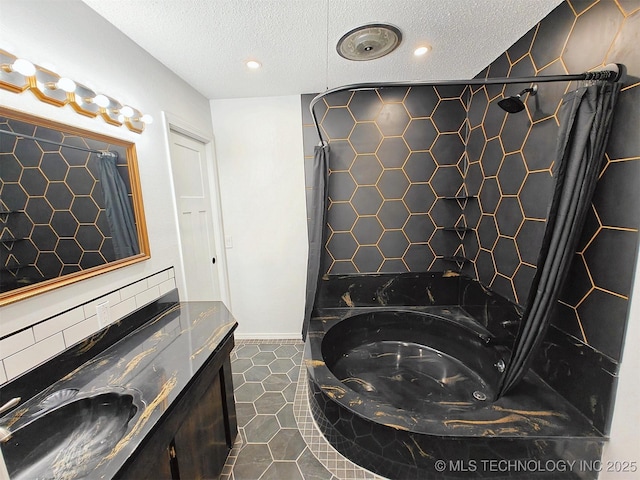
(206, 42)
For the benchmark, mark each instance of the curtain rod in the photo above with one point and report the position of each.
(102, 153)
(611, 73)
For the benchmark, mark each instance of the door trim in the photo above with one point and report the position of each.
(177, 124)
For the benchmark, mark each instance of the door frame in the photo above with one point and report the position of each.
(177, 124)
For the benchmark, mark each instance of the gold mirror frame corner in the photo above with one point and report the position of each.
(30, 291)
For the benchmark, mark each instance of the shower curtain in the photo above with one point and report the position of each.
(316, 210)
(117, 207)
(585, 123)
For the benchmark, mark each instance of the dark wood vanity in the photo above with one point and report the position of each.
(168, 364)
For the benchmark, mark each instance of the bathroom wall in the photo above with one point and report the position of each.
(397, 156)
(85, 47)
(259, 152)
(511, 160)
(511, 164)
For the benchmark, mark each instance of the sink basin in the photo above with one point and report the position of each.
(70, 440)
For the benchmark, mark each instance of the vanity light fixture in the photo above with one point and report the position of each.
(19, 74)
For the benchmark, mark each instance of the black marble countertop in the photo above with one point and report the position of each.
(155, 363)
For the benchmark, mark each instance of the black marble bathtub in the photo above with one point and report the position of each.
(405, 387)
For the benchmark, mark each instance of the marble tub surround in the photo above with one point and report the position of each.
(156, 361)
(404, 440)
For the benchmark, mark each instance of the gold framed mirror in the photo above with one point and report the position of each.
(70, 205)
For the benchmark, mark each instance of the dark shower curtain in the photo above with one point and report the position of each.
(317, 220)
(118, 208)
(585, 123)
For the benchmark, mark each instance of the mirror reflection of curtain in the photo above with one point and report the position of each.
(118, 208)
(585, 122)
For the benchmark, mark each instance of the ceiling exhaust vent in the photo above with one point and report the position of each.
(369, 42)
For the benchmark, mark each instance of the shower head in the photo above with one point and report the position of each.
(514, 103)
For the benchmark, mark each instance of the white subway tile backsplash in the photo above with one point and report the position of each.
(80, 331)
(158, 278)
(33, 355)
(17, 342)
(167, 286)
(24, 350)
(90, 308)
(123, 308)
(147, 296)
(58, 323)
(133, 290)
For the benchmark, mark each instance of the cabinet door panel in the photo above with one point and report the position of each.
(201, 441)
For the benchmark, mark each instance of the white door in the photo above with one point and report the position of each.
(195, 219)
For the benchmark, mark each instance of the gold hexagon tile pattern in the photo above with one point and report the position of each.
(511, 163)
(51, 205)
(421, 174)
(396, 155)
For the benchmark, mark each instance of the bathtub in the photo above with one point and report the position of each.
(396, 389)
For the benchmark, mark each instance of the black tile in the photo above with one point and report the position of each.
(509, 216)
(342, 246)
(529, 240)
(80, 181)
(365, 138)
(341, 216)
(603, 318)
(393, 244)
(539, 147)
(494, 118)
(419, 197)
(341, 186)
(487, 231)
(492, 158)
(421, 101)
(338, 99)
(490, 195)
(624, 141)
(498, 68)
(84, 209)
(44, 238)
(536, 195)
(485, 267)
(49, 264)
(418, 257)
(393, 266)
(445, 213)
(446, 181)
(475, 144)
(614, 197)
(419, 167)
(477, 107)
(521, 47)
(591, 36)
(450, 91)
(420, 134)
(522, 68)
(503, 286)
(505, 256)
(514, 131)
(338, 122)
(393, 184)
(366, 169)
(341, 155)
(368, 259)
(366, 200)
(33, 182)
(365, 105)
(551, 35)
(69, 251)
(609, 258)
(449, 115)
(392, 119)
(39, 210)
(53, 166)
(392, 152)
(28, 153)
(392, 94)
(89, 237)
(393, 214)
(473, 179)
(512, 174)
(367, 230)
(522, 283)
(447, 149)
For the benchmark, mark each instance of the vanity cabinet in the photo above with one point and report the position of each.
(195, 436)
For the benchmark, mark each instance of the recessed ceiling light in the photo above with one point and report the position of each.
(421, 51)
(253, 64)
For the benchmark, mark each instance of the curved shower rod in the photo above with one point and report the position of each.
(611, 73)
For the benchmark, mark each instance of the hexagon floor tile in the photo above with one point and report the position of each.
(277, 436)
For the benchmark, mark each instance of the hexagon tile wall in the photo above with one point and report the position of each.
(54, 220)
(398, 154)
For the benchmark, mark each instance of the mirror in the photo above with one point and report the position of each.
(70, 205)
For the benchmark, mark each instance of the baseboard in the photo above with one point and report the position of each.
(268, 336)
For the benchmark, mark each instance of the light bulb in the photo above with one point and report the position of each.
(146, 118)
(420, 51)
(127, 111)
(24, 67)
(121, 118)
(101, 100)
(67, 85)
(252, 64)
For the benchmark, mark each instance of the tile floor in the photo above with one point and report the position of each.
(278, 439)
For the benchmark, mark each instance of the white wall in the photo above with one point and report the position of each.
(261, 168)
(85, 47)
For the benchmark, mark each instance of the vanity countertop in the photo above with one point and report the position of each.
(154, 363)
